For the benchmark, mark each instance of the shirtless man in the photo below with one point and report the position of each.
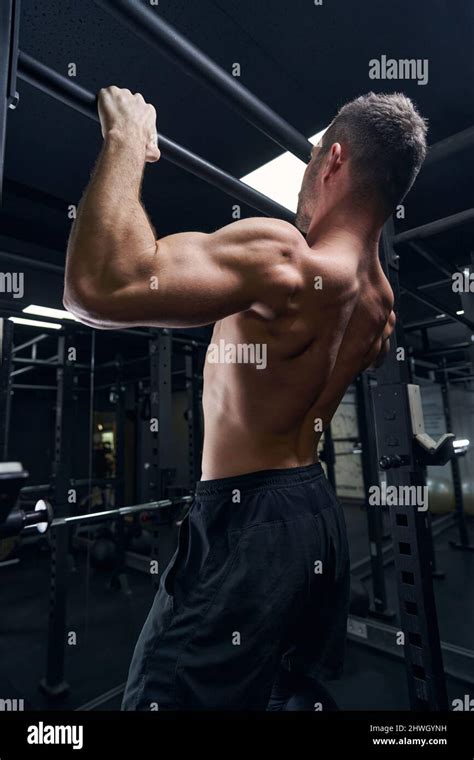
(252, 609)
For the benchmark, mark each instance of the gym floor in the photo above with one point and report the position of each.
(108, 622)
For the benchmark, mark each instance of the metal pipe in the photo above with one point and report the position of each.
(74, 96)
(435, 284)
(432, 259)
(423, 363)
(30, 368)
(21, 371)
(42, 517)
(126, 363)
(434, 304)
(39, 488)
(112, 514)
(45, 362)
(434, 228)
(158, 33)
(450, 145)
(31, 342)
(425, 323)
(22, 386)
(192, 342)
(432, 365)
(447, 349)
(33, 263)
(35, 362)
(457, 367)
(73, 482)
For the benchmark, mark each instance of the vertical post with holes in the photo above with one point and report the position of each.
(464, 542)
(370, 473)
(9, 34)
(396, 455)
(54, 684)
(193, 412)
(159, 469)
(117, 397)
(6, 349)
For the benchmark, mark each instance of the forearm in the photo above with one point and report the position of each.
(112, 239)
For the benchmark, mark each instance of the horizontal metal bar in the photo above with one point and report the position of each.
(102, 698)
(464, 365)
(461, 372)
(191, 342)
(434, 228)
(39, 488)
(22, 386)
(155, 31)
(435, 284)
(470, 378)
(73, 482)
(53, 362)
(33, 263)
(423, 363)
(447, 349)
(112, 480)
(131, 331)
(434, 304)
(450, 145)
(21, 371)
(47, 362)
(424, 324)
(74, 96)
(31, 342)
(126, 363)
(30, 368)
(431, 258)
(113, 514)
(380, 637)
(457, 368)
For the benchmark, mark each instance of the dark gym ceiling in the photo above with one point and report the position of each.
(302, 59)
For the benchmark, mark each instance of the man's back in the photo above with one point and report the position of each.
(253, 606)
(267, 381)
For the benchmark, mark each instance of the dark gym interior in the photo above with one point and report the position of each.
(75, 598)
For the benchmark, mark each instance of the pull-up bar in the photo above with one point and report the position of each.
(71, 94)
(158, 33)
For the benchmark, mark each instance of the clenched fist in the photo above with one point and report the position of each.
(130, 117)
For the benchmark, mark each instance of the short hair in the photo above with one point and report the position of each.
(386, 137)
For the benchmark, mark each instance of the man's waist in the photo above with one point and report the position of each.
(259, 479)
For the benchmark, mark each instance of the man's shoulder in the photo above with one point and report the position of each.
(337, 271)
(257, 229)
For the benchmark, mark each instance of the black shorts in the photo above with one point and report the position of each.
(259, 581)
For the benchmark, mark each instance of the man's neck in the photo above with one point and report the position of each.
(345, 228)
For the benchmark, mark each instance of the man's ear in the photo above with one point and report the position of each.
(334, 160)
